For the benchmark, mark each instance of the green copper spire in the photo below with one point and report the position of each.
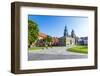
(65, 32)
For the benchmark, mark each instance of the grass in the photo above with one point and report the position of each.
(35, 48)
(39, 48)
(79, 49)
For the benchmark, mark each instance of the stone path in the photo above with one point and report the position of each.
(54, 53)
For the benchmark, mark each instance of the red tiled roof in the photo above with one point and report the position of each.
(42, 35)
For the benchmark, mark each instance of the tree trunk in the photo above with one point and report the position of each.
(30, 45)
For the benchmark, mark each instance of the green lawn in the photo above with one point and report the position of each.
(39, 48)
(79, 49)
(35, 48)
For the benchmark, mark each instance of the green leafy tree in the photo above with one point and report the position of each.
(33, 31)
(49, 38)
(47, 41)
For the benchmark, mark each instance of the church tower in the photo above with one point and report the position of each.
(73, 34)
(65, 32)
(65, 35)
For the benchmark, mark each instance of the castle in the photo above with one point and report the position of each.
(65, 40)
(70, 39)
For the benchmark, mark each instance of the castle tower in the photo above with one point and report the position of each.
(73, 34)
(65, 35)
(65, 32)
(74, 37)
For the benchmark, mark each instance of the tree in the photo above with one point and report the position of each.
(49, 38)
(47, 41)
(33, 31)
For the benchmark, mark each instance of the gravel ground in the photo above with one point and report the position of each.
(53, 54)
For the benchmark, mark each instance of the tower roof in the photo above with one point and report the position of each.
(65, 32)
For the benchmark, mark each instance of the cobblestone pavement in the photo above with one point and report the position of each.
(53, 54)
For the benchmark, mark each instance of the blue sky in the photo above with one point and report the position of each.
(54, 25)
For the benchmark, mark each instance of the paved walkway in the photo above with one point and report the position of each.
(54, 53)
